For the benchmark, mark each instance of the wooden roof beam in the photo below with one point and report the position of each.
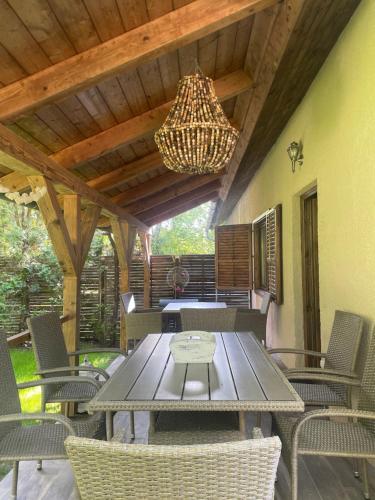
(169, 32)
(181, 200)
(173, 212)
(140, 126)
(148, 188)
(127, 172)
(20, 156)
(138, 207)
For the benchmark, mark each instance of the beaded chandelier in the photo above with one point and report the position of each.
(196, 137)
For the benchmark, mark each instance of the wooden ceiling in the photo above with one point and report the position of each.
(87, 83)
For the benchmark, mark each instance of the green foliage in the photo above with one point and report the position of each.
(185, 234)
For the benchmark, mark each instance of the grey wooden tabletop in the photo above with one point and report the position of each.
(242, 377)
(177, 306)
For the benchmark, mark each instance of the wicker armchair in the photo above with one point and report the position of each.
(36, 442)
(211, 320)
(315, 434)
(340, 359)
(139, 323)
(52, 358)
(244, 469)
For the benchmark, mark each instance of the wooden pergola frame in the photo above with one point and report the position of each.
(139, 193)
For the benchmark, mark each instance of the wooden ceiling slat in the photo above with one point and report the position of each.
(59, 123)
(127, 172)
(137, 208)
(41, 132)
(79, 116)
(140, 126)
(207, 48)
(10, 70)
(148, 188)
(18, 41)
(76, 22)
(180, 199)
(133, 13)
(115, 98)
(132, 87)
(105, 17)
(244, 28)
(152, 84)
(45, 28)
(97, 107)
(170, 73)
(173, 212)
(188, 57)
(29, 138)
(179, 27)
(225, 49)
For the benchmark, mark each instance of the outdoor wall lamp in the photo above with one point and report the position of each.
(295, 154)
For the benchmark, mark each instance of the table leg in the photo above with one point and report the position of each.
(152, 422)
(242, 422)
(109, 424)
(132, 425)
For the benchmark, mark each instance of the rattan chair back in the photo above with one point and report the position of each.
(9, 399)
(367, 392)
(266, 302)
(241, 469)
(211, 320)
(48, 341)
(128, 302)
(343, 346)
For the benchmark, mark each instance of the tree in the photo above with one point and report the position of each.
(185, 234)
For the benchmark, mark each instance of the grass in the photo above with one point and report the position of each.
(24, 366)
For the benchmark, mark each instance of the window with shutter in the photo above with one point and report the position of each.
(267, 253)
(233, 257)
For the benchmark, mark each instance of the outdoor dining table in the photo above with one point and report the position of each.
(171, 313)
(241, 378)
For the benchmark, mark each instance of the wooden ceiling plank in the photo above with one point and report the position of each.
(20, 156)
(173, 212)
(41, 21)
(180, 200)
(140, 126)
(148, 188)
(177, 28)
(126, 172)
(151, 202)
(133, 13)
(106, 18)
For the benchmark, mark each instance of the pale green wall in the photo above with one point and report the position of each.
(336, 122)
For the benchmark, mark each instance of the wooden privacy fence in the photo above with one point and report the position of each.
(99, 293)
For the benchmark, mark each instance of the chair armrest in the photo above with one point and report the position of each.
(290, 350)
(335, 379)
(97, 349)
(59, 380)
(323, 371)
(55, 417)
(330, 412)
(82, 368)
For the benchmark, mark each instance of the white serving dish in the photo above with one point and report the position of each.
(193, 347)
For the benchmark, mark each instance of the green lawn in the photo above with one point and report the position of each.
(24, 367)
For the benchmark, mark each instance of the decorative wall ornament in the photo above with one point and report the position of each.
(24, 198)
(178, 277)
(295, 154)
(196, 137)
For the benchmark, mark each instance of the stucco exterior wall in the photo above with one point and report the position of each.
(336, 123)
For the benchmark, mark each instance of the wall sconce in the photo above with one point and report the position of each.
(295, 154)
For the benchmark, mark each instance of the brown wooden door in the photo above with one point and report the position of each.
(310, 275)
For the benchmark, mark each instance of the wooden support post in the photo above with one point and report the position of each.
(124, 237)
(146, 247)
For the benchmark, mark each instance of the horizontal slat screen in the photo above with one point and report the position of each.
(233, 257)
